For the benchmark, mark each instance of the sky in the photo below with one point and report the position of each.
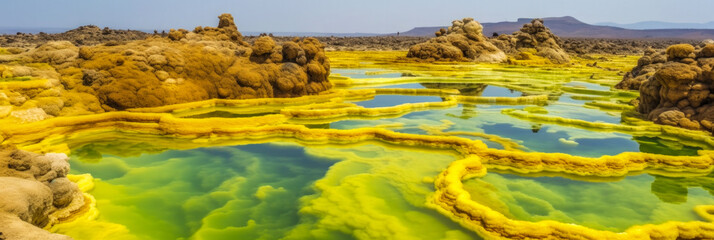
(335, 16)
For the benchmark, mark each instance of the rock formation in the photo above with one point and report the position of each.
(679, 93)
(463, 41)
(533, 35)
(35, 192)
(208, 62)
(647, 65)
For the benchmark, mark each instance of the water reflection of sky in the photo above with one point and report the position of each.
(613, 205)
(364, 73)
(393, 100)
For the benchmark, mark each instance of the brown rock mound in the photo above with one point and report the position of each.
(463, 41)
(34, 187)
(647, 65)
(534, 35)
(679, 93)
(186, 66)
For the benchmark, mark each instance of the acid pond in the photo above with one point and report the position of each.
(398, 150)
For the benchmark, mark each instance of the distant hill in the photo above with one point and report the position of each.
(13, 30)
(660, 25)
(571, 27)
(310, 34)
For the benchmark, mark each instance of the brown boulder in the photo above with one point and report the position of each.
(534, 35)
(680, 51)
(675, 74)
(463, 41)
(707, 51)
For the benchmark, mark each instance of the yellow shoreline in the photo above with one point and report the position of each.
(450, 198)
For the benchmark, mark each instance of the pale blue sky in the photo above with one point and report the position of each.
(375, 16)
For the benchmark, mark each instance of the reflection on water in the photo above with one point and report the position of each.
(393, 100)
(666, 147)
(676, 190)
(613, 206)
(548, 140)
(268, 191)
(587, 85)
(365, 73)
(224, 114)
(475, 89)
(587, 114)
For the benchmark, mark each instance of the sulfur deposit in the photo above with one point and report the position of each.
(679, 93)
(533, 39)
(410, 144)
(206, 63)
(463, 41)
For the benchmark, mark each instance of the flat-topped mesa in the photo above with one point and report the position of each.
(679, 93)
(533, 38)
(463, 41)
(209, 62)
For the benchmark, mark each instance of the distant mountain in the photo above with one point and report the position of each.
(310, 34)
(14, 30)
(571, 27)
(660, 25)
(561, 26)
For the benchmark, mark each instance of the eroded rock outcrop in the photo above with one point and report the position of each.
(36, 192)
(647, 65)
(533, 38)
(208, 62)
(679, 93)
(463, 41)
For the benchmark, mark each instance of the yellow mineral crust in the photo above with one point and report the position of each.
(605, 166)
(85, 182)
(507, 143)
(706, 212)
(635, 126)
(348, 109)
(536, 100)
(451, 199)
(171, 125)
(87, 216)
(331, 105)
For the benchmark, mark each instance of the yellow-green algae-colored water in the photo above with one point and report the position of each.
(155, 185)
